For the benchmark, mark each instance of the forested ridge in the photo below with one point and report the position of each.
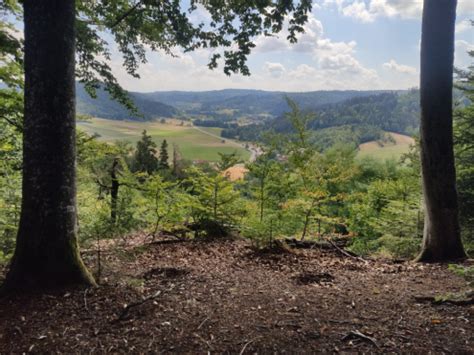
(128, 247)
(103, 106)
(250, 102)
(356, 120)
(217, 105)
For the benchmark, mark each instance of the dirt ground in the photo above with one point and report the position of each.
(223, 297)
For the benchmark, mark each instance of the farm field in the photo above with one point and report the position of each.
(195, 143)
(387, 150)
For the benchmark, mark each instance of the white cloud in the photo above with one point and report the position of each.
(461, 56)
(359, 11)
(306, 77)
(306, 41)
(331, 59)
(325, 47)
(466, 7)
(275, 70)
(463, 26)
(368, 10)
(200, 15)
(270, 44)
(400, 68)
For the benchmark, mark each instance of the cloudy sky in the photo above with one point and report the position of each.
(348, 44)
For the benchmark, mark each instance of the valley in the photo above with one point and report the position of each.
(205, 143)
(195, 143)
(204, 124)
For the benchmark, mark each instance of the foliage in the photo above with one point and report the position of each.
(355, 120)
(318, 178)
(386, 214)
(10, 201)
(464, 153)
(215, 205)
(96, 161)
(144, 160)
(166, 205)
(11, 116)
(163, 159)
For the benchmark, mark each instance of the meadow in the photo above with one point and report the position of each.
(204, 143)
(383, 151)
(195, 143)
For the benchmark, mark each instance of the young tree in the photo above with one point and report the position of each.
(441, 236)
(216, 205)
(261, 172)
(177, 163)
(46, 251)
(144, 159)
(163, 162)
(317, 176)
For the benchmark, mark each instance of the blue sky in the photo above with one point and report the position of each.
(348, 44)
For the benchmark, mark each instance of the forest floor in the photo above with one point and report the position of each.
(223, 297)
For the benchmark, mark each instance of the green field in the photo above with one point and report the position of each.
(385, 151)
(194, 143)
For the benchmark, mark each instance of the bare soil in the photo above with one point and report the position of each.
(223, 297)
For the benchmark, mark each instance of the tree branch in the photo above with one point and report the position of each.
(13, 123)
(126, 14)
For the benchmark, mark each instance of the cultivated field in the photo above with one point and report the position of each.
(195, 143)
(387, 150)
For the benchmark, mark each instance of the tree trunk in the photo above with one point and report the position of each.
(215, 200)
(441, 235)
(306, 220)
(114, 190)
(46, 253)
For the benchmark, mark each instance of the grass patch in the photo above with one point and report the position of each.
(194, 144)
(384, 151)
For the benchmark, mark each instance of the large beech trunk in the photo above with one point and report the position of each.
(46, 253)
(441, 236)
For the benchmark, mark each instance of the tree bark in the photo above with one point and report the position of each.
(441, 235)
(114, 190)
(46, 254)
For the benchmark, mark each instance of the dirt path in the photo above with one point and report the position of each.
(232, 142)
(222, 297)
(254, 150)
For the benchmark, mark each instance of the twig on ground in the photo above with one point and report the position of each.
(345, 253)
(358, 334)
(85, 300)
(203, 340)
(466, 301)
(125, 311)
(202, 323)
(247, 344)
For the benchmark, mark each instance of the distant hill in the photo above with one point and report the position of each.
(103, 106)
(232, 103)
(391, 111)
(226, 104)
(356, 119)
